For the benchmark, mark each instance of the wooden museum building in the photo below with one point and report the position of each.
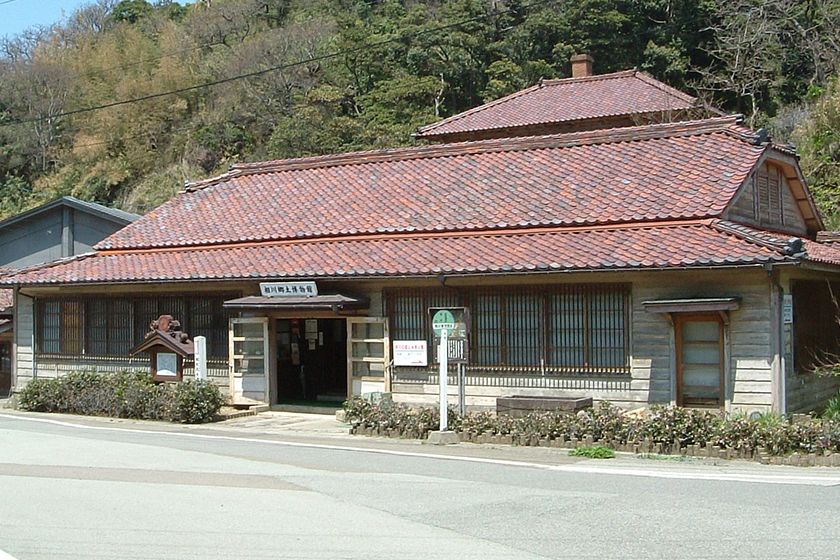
(608, 236)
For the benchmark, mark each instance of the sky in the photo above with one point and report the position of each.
(18, 15)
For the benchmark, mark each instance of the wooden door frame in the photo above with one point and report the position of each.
(679, 319)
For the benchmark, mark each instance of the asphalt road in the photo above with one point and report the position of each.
(72, 488)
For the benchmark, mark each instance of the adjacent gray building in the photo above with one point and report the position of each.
(62, 228)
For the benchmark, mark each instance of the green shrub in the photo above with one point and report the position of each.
(671, 427)
(123, 395)
(194, 401)
(832, 409)
(593, 452)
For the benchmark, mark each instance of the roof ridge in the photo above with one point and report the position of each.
(784, 243)
(659, 84)
(533, 229)
(592, 78)
(562, 140)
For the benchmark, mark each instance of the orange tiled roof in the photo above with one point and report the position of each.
(572, 99)
(635, 174)
(633, 247)
(6, 300)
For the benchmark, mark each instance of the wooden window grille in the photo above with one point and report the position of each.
(112, 326)
(408, 308)
(61, 327)
(556, 329)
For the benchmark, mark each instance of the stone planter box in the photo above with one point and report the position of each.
(518, 406)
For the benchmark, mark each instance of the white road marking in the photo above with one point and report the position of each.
(577, 468)
(6, 556)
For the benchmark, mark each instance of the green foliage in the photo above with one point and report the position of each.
(593, 452)
(123, 395)
(131, 10)
(672, 427)
(818, 143)
(832, 409)
(194, 402)
(137, 155)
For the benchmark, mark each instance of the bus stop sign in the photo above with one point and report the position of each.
(455, 321)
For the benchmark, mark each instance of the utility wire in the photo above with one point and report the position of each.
(7, 2)
(279, 67)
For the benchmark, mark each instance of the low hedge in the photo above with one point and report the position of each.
(123, 395)
(666, 428)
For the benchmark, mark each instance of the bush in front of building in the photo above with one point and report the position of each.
(193, 402)
(123, 395)
(663, 427)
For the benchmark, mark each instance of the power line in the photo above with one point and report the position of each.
(276, 68)
(7, 2)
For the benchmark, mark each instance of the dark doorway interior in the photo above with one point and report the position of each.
(5, 368)
(311, 360)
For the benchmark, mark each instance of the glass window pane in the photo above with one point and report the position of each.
(248, 330)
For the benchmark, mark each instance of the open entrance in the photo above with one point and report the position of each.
(311, 360)
(5, 368)
(699, 360)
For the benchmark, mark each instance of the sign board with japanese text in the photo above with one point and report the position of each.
(286, 289)
(456, 322)
(787, 309)
(411, 353)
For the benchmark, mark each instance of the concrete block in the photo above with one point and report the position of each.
(443, 438)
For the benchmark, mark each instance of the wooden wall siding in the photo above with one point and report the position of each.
(24, 350)
(767, 201)
(809, 393)
(652, 361)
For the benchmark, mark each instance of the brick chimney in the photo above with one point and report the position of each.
(581, 65)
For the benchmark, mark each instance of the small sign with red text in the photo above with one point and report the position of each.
(410, 353)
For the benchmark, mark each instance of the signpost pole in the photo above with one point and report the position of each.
(200, 345)
(443, 358)
(462, 392)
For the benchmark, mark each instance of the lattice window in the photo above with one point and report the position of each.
(112, 326)
(564, 328)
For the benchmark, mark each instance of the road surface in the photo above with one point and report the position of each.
(84, 489)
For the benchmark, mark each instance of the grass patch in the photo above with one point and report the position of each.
(659, 457)
(593, 452)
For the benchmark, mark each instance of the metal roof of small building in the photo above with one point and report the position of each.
(112, 214)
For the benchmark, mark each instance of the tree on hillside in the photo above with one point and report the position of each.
(818, 143)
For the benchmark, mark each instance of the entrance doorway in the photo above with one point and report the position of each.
(311, 360)
(5, 368)
(699, 360)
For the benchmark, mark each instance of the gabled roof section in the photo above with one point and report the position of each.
(626, 93)
(684, 170)
(669, 245)
(111, 214)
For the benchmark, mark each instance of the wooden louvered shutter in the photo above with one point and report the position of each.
(775, 196)
(762, 192)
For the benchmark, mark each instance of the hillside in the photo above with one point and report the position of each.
(126, 100)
